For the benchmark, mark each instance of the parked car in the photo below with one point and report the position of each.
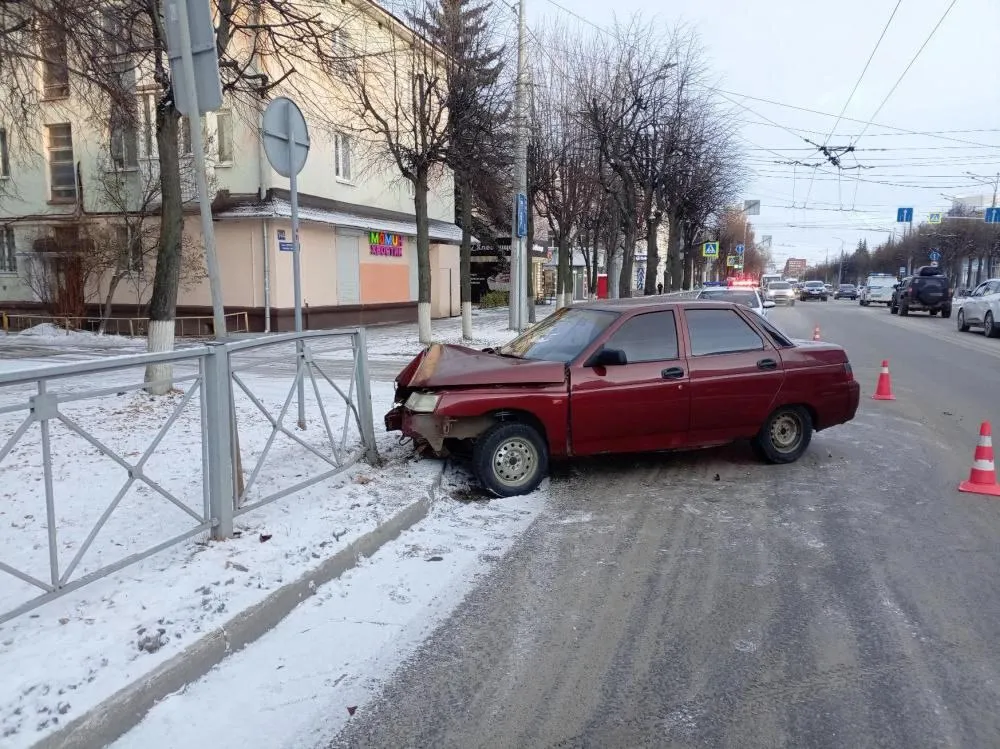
(619, 377)
(982, 309)
(926, 291)
(846, 291)
(781, 292)
(878, 289)
(812, 290)
(747, 297)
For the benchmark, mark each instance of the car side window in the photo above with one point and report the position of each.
(993, 288)
(720, 331)
(980, 290)
(646, 338)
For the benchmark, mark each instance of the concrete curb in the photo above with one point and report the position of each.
(118, 714)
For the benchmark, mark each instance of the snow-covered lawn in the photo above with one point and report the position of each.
(70, 654)
(292, 689)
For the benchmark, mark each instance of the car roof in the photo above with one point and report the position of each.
(652, 304)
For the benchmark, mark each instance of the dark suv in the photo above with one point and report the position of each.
(928, 290)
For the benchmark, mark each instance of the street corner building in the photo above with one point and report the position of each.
(87, 183)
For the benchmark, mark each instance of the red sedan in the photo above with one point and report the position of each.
(620, 377)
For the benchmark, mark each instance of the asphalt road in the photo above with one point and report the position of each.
(705, 600)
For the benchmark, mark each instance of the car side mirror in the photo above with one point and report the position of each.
(608, 357)
(768, 304)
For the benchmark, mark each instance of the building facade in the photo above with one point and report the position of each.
(78, 184)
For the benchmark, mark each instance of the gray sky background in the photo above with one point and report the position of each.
(809, 54)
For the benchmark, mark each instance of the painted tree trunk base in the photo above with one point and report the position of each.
(161, 338)
(467, 320)
(424, 323)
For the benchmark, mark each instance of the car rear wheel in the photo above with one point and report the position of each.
(946, 313)
(963, 326)
(893, 309)
(510, 458)
(989, 327)
(785, 435)
(904, 309)
(933, 313)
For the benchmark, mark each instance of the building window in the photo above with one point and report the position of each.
(124, 141)
(55, 67)
(224, 135)
(147, 105)
(4, 154)
(341, 43)
(128, 243)
(62, 168)
(8, 259)
(342, 157)
(186, 142)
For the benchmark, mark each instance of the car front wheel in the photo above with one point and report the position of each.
(785, 435)
(510, 458)
(963, 326)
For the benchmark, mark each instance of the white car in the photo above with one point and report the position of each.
(781, 292)
(982, 309)
(878, 289)
(747, 297)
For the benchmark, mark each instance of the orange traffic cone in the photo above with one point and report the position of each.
(816, 333)
(883, 390)
(983, 476)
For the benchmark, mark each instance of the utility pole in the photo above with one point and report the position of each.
(517, 298)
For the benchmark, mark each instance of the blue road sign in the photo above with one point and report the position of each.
(739, 249)
(904, 215)
(522, 215)
(992, 216)
(710, 249)
(934, 256)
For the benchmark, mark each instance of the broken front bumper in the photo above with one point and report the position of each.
(431, 430)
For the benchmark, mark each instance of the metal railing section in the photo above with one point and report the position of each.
(215, 379)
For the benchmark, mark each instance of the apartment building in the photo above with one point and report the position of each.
(357, 233)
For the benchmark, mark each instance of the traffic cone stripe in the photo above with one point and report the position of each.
(883, 389)
(982, 476)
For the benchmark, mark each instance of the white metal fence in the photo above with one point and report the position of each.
(88, 459)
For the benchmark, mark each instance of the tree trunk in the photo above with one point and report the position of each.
(628, 265)
(674, 267)
(652, 256)
(116, 278)
(564, 291)
(163, 301)
(465, 270)
(423, 260)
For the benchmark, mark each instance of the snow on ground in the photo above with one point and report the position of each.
(47, 333)
(68, 655)
(291, 689)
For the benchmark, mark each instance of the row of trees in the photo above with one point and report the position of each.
(963, 236)
(623, 137)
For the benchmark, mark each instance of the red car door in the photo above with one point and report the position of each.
(641, 405)
(735, 373)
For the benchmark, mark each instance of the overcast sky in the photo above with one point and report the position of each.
(810, 53)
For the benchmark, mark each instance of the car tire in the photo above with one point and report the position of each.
(785, 435)
(893, 310)
(824, 299)
(989, 326)
(904, 309)
(963, 327)
(510, 458)
(946, 313)
(932, 313)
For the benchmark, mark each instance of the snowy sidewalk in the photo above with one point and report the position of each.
(72, 654)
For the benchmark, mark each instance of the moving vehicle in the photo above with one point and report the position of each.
(812, 290)
(878, 289)
(622, 376)
(781, 292)
(828, 287)
(982, 308)
(747, 297)
(767, 279)
(846, 291)
(926, 291)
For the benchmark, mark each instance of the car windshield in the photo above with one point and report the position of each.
(560, 337)
(846, 286)
(776, 285)
(746, 298)
(814, 284)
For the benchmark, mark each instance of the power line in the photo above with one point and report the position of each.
(855, 89)
(907, 68)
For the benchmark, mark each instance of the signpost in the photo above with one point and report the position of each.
(286, 143)
(904, 215)
(992, 215)
(740, 250)
(731, 261)
(934, 217)
(194, 70)
(710, 249)
(934, 256)
(902, 270)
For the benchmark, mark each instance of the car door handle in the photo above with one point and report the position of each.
(672, 373)
(767, 364)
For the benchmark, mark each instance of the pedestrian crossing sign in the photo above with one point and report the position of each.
(710, 249)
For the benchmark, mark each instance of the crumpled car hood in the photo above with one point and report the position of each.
(445, 365)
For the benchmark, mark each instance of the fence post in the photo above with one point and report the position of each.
(217, 431)
(360, 340)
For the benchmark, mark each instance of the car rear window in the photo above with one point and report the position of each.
(779, 285)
